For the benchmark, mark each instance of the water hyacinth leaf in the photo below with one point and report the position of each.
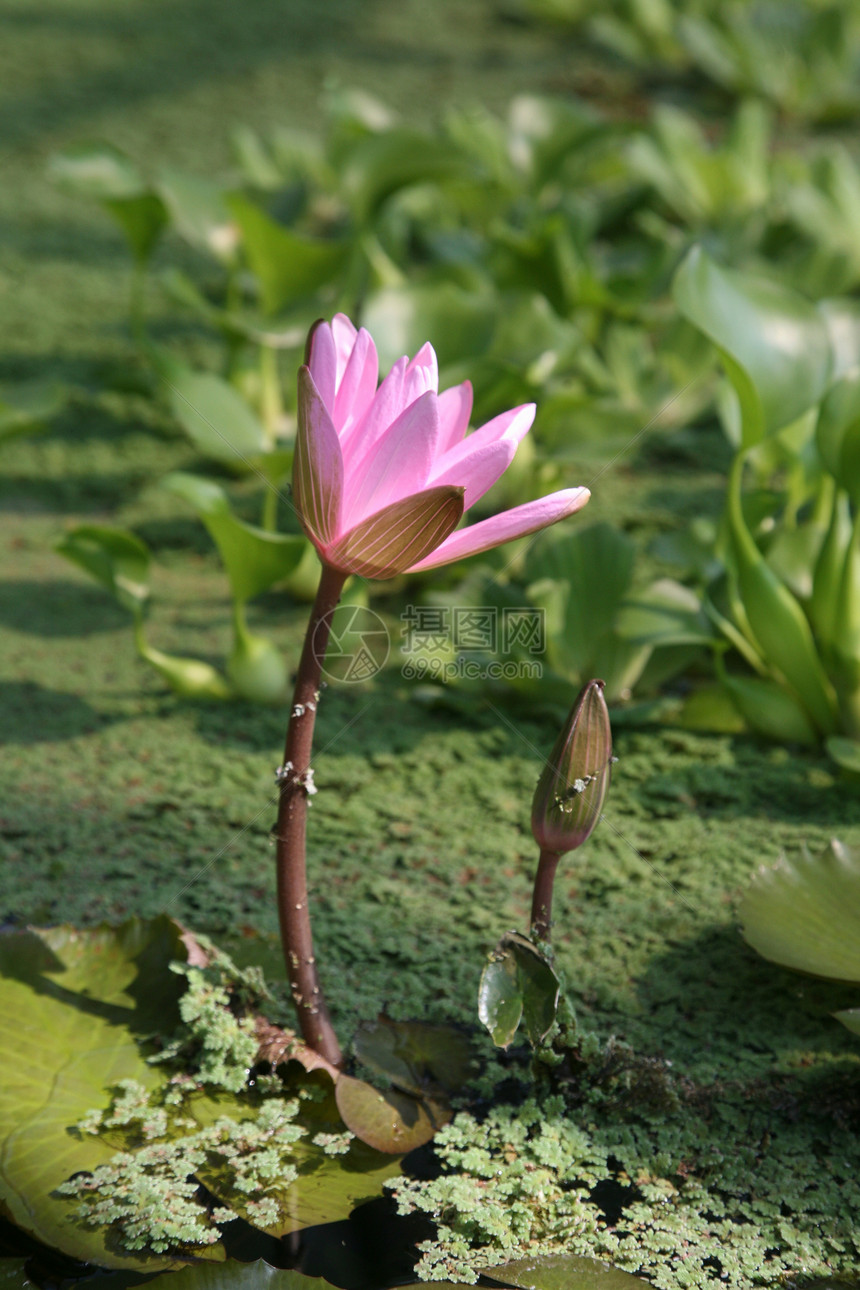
(562, 1272)
(215, 417)
(387, 1120)
(254, 558)
(26, 405)
(115, 557)
(804, 913)
(199, 213)
(289, 267)
(190, 678)
(328, 1186)
(74, 1009)
(770, 710)
(845, 752)
(142, 220)
(837, 433)
(774, 343)
(668, 613)
(517, 984)
(415, 1055)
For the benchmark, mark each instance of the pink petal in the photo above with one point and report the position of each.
(322, 362)
(317, 465)
(398, 465)
(406, 382)
(357, 383)
(343, 335)
(505, 527)
(388, 541)
(455, 409)
(479, 470)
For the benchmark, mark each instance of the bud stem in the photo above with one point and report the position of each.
(314, 1021)
(542, 895)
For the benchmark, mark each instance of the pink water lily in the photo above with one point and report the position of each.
(383, 475)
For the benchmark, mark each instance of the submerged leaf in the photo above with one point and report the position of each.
(388, 1120)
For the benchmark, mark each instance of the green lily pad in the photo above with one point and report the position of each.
(74, 1008)
(233, 1275)
(563, 1272)
(415, 1055)
(805, 913)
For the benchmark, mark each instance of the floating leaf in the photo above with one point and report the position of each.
(74, 1009)
(233, 1275)
(415, 1055)
(805, 913)
(774, 343)
(388, 1121)
(518, 983)
(562, 1272)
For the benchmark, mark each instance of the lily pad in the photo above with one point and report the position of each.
(805, 913)
(388, 1120)
(414, 1055)
(74, 1008)
(563, 1272)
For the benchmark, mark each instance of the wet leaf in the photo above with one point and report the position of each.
(562, 1272)
(415, 1055)
(388, 1121)
(518, 983)
(804, 913)
(74, 1008)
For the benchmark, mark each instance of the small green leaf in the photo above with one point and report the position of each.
(199, 212)
(142, 220)
(774, 343)
(805, 913)
(114, 557)
(254, 558)
(518, 983)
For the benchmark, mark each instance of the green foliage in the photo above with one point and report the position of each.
(518, 983)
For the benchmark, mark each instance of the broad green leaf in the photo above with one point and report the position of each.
(837, 433)
(805, 913)
(387, 1120)
(518, 983)
(770, 710)
(328, 1187)
(415, 1055)
(114, 557)
(842, 318)
(562, 1272)
(199, 212)
(845, 752)
(253, 558)
(774, 343)
(289, 267)
(74, 1009)
(25, 405)
(215, 417)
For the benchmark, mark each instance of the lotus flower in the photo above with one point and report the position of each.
(382, 476)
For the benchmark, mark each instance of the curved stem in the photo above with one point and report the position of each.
(542, 896)
(295, 779)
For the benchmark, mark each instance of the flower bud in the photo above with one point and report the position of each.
(570, 792)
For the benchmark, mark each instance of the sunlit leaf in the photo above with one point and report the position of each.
(804, 913)
(562, 1272)
(517, 984)
(774, 343)
(289, 267)
(215, 417)
(115, 557)
(199, 213)
(254, 558)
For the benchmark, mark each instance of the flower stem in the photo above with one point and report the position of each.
(542, 895)
(314, 1021)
